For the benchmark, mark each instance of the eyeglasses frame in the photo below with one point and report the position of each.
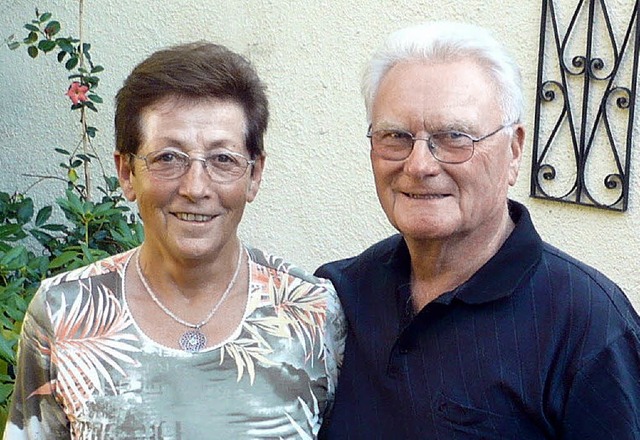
(432, 147)
(250, 163)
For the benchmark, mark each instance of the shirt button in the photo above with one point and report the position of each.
(404, 350)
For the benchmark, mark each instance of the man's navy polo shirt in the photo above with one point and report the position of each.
(535, 345)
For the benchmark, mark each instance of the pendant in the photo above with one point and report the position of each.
(193, 341)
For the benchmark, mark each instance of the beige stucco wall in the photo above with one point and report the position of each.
(317, 202)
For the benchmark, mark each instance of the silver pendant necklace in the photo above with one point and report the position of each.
(192, 340)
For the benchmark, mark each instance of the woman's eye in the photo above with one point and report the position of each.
(168, 157)
(222, 159)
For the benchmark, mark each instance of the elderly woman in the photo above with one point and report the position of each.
(192, 335)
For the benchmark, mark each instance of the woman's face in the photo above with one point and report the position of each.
(190, 217)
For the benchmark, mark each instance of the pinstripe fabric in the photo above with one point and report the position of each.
(536, 345)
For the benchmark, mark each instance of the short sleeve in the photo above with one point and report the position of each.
(604, 398)
(34, 412)
(334, 341)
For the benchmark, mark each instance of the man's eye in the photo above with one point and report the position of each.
(394, 136)
(455, 135)
(451, 139)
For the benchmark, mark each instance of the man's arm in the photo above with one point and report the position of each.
(604, 398)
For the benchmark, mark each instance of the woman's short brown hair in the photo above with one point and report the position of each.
(195, 71)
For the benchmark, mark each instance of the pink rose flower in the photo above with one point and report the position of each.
(77, 92)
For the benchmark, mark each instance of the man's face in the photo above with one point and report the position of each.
(429, 200)
(193, 216)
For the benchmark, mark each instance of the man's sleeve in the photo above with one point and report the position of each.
(604, 398)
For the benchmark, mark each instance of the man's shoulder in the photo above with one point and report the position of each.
(376, 254)
(559, 261)
(584, 288)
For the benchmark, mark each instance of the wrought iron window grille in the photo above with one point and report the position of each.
(585, 100)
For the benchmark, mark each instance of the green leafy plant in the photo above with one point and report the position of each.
(33, 245)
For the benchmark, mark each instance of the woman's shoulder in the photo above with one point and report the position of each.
(112, 264)
(280, 268)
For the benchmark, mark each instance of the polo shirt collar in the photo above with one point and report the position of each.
(500, 276)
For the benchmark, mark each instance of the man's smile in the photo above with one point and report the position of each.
(425, 196)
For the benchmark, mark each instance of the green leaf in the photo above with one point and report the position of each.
(97, 69)
(93, 80)
(15, 258)
(44, 17)
(6, 350)
(5, 392)
(11, 232)
(62, 151)
(104, 209)
(54, 227)
(63, 259)
(52, 28)
(32, 51)
(31, 28)
(90, 106)
(61, 56)
(46, 45)
(72, 201)
(43, 215)
(31, 38)
(91, 131)
(65, 45)
(95, 98)
(25, 211)
(71, 63)
(42, 237)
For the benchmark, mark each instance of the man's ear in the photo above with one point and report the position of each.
(256, 178)
(517, 147)
(125, 174)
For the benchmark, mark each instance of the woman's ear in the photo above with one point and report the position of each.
(256, 178)
(125, 174)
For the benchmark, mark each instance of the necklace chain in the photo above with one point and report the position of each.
(172, 315)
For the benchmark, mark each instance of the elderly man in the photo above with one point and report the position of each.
(467, 325)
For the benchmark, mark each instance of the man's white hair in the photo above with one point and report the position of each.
(440, 42)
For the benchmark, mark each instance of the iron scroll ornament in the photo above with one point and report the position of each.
(584, 108)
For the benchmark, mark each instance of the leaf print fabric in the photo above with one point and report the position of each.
(86, 371)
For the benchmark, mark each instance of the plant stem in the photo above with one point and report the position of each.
(83, 114)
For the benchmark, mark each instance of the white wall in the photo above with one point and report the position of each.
(317, 202)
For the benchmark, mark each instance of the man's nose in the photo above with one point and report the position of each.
(421, 160)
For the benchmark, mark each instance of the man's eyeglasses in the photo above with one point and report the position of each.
(451, 147)
(222, 166)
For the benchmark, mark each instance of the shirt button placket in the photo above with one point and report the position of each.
(398, 354)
